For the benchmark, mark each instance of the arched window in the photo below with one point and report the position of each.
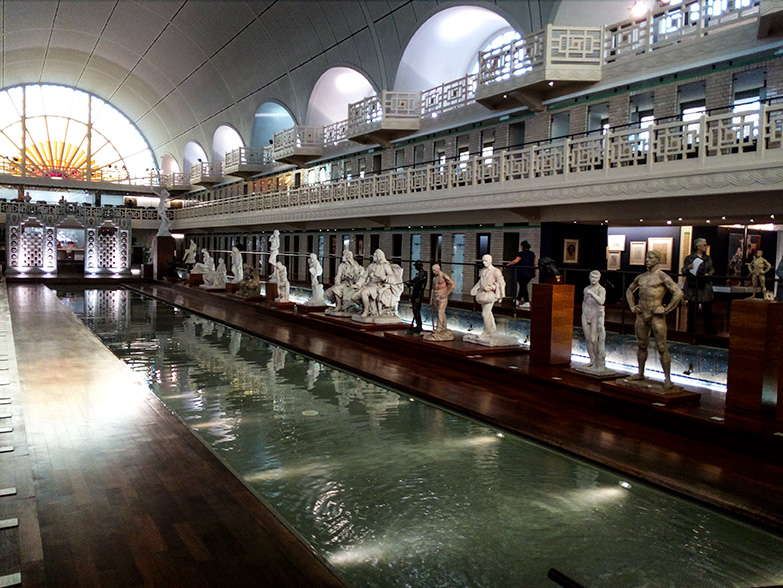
(503, 38)
(60, 132)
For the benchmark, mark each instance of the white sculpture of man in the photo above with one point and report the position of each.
(349, 273)
(283, 285)
(593, 326)
(380, 290)
(274, 250)
(651, 314)
(165, 222)
(315, 270)
(442, 287)
(190, 253)
(207, 264)
(236, 265)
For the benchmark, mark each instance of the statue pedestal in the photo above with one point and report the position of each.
(271, 292)
(163, 251)
(652, 390)
(232, 288)
(195, 279)
(755, 374)
(551, 323)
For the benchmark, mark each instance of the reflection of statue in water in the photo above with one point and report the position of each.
(165, 222)
(216, 279)
(251, 282)
(189, 256)
(237, 268)
(417, 284)
(349, 273)
(380, 289)
(593, 326)
(274, 250)
(757, 269)
(283, 285)
(651, 314)
(312, 373)
(315, 270)
(206, 265)
(442, 287)
(489, 289)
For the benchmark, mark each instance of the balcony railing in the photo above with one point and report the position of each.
(449, 96)
(750, 134)
(206, 172)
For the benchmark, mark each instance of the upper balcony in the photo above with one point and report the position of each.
(299, 144)
(175, 183)
(382, 119)
(206, 173)
(547, 64)
(246, 162)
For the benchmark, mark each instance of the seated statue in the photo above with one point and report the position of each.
(380, 290)
(251, 282)
(216, 280)
(349, 272)
(205, 266)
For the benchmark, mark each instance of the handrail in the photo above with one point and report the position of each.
(561, 579)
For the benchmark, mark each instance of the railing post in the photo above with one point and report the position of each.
(762, 137)
(702, 138)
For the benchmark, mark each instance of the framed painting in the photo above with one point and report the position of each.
(616, 242)
(664, 246)
(613, 261)
(570, 250)
(638, 249)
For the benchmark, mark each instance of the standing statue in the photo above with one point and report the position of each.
(349, 273)
(190, 255)
(316, 270)
(489, 289)
(593, 314)
(758, 269)
(283, 285)
(379, 290)
(417, 284)
(237, 267)
(165, 222)
(651, 314)
(274, 251)
(442, 287)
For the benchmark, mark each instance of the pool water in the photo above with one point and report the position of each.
(392, 491)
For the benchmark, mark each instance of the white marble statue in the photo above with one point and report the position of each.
(349, 273)
(190, 253)
(216, 279)
(206, 265)
(379, 290)
(283, 285)
(315, 269)
(594, 328)
(165, 222)
(274, 251)
(489, 289)
(236, 265)
(442, 287)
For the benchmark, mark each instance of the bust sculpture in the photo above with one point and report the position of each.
(651, 314)
(349, 273)
(442, 287)
(379, 290)
(593, 327)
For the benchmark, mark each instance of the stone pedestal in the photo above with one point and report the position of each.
(551, 323)
(163, 251)
(755, 374)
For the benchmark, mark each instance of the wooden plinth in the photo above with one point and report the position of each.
(308, 308)
(551, 323)
(163, 251)
(755, 375)
(456, 347)
(271, 292)
(195, 279)
(285, 305)
(232, 288)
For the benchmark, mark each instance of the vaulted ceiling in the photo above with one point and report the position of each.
(180, 68)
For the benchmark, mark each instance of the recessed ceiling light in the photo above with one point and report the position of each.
(708, 221)
(668, 222)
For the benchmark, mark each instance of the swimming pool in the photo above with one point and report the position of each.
(392, 491)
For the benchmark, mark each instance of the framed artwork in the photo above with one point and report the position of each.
(664, 246)
(637, 253)
(570, 250)
(616, 242)
(613, 261)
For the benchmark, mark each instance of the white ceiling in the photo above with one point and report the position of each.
(181, 68)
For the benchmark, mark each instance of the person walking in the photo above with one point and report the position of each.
(525, 262)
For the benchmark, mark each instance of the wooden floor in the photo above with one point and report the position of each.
(123, 495)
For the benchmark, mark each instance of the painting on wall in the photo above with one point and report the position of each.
(616, 242)
(613, 261)
(570, 250)
(637, 253)
(664, 246)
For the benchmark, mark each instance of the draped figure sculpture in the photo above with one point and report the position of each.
(237, 267)
(274, 251)
(189, 256)
(379, 290)
(490, 288)
(216, 279)
(206, 265)
(283, 285)
(349, 272)
(165, 221)
(594, 328)
(316, 270)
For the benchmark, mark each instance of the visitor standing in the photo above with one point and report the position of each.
(525, 262)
